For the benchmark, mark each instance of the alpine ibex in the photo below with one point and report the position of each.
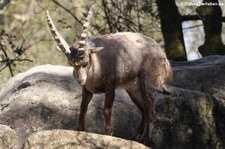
(125, 60)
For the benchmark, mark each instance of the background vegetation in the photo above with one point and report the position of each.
(25, 40)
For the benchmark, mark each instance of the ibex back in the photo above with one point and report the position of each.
(125, 60)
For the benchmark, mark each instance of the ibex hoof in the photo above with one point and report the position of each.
(109, 131)
(136, 137)
(145, 138)
(80, 128)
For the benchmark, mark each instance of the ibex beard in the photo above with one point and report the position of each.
(125, 60)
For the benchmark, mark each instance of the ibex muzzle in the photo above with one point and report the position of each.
(127, 60)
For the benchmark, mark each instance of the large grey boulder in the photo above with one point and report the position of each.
(52, 139)
(195, 116)
(47, 97)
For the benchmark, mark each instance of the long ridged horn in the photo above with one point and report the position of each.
(62, 44)
(84, 34)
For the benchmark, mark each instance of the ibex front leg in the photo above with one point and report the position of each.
(109, 99)
(86, 98)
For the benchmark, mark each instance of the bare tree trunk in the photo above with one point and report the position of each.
(171, 24)
(212, 20)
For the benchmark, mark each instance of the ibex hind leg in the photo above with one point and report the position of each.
(148, 120)
(148, 93)
(137, 99)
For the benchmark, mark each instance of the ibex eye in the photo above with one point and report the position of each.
(73, 50)
(80, 54)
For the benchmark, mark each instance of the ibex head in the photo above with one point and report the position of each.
(78, 54)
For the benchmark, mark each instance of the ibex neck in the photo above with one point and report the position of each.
(94, 75)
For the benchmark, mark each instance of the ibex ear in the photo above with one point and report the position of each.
(94, 49)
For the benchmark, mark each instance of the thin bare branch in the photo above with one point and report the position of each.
(7, 61)
(106, 11)
(67, 10)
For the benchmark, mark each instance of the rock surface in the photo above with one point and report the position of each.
(7, 137)
(194, 116)
(47, 97)
(51, 139)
